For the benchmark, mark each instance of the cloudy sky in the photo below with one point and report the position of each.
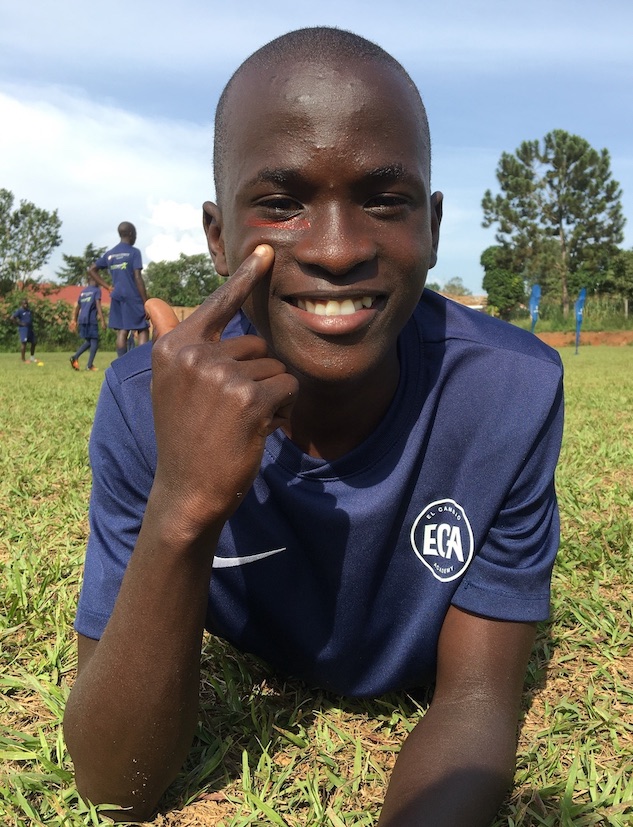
(106, 109)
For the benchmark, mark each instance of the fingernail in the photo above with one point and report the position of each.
(263, 249)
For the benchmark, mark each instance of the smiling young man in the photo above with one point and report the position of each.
(348, 477)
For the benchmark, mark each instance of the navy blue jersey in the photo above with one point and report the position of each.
(24, 317)
(342, 572)
(121, 262)
(87, 301)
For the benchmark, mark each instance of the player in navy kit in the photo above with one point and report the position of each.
(23, 318)
(88, 313)
(349, 476)
(124, 264)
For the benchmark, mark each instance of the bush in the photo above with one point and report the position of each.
(602, 312)
(50, 322)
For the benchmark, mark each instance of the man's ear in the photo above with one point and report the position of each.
(212, 223)
(437, 200)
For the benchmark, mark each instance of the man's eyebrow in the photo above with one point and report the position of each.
(281, 176)
(391, 172)
(396, 173)
(290, 176)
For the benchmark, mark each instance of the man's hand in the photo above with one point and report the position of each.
(215, 402)
(72, 326)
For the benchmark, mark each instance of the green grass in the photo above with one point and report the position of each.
(275, 753)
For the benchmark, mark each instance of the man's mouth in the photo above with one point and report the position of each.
(332, 307)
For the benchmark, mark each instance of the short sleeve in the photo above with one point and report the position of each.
(102, 262)
(509, 578)
(122, 476)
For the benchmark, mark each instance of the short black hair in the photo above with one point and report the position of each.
(126, 229)
(322, 42)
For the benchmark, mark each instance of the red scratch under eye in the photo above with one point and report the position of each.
(293, 224)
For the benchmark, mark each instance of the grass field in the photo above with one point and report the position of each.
(271, 753)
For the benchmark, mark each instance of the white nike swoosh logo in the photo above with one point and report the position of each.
(230, 562)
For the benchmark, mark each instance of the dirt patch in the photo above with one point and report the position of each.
(615, 338)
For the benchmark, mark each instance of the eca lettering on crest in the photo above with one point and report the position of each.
(442, 538)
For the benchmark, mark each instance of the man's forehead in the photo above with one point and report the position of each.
(301, 80)
(290, 99)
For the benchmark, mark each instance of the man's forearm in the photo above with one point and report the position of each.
(96, 275)
(453, 770)
(132, 713)
(140, 284)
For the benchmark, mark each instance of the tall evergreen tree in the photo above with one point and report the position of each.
(75, 268)
(559, 213)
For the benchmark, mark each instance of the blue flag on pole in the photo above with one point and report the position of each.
(535, 297)
(580, 309)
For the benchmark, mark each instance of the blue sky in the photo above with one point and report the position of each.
(106, 109)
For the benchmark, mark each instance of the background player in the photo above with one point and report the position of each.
(23, 318)
(88, 314)
(124, 264)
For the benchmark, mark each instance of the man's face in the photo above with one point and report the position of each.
(329, 166)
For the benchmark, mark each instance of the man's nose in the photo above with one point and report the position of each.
(337, 240)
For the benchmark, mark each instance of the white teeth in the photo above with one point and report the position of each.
(333, 307)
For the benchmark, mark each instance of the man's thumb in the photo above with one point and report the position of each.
(161, 316)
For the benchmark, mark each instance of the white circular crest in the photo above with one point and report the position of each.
(442, 538)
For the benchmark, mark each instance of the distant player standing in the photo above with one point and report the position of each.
(124, 264)
(88, 313)
(23, 318)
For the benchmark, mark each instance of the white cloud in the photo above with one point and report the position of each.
(171, 214)
(176, 229)
(99, 165)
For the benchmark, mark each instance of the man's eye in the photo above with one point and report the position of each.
(279, 208)
(387, 204)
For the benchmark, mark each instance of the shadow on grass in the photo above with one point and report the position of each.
(255, 724)
(250, 716)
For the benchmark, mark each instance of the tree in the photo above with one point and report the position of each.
(185, 282)
(433, 285)
(28, 236)
(559, 211)
(621, 277)
(456, 287)
(505, 289)
(75, 267)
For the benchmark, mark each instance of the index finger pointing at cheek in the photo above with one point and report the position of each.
(210, 319)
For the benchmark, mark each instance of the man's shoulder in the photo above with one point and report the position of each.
(444, 321)
(119, 249)
(133, 367)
